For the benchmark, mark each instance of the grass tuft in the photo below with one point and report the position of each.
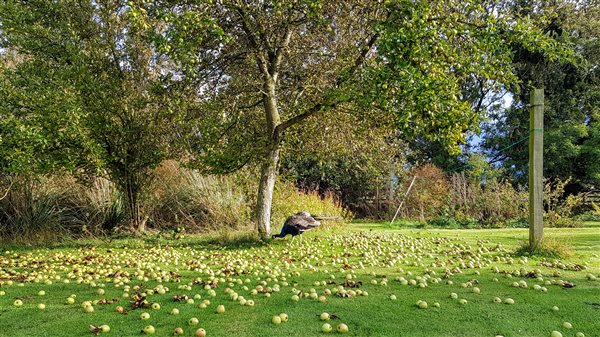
(548, 248)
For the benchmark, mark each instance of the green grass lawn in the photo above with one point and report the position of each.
(444, 261)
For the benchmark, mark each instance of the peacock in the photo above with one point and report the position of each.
(298, 224)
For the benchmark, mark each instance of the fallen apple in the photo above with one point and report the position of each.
(326, 328)
(342, 328)
(200, 332)
(149, 330)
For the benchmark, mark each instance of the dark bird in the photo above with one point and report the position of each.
(297, 224)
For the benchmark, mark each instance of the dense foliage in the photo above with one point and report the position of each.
(340, 97)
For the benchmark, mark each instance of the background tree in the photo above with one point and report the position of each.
(87, 90)
(571, 98)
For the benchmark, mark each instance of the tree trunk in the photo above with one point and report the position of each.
(265, 192)
(269, 169)
(132, 202)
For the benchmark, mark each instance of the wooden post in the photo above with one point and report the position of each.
(536, 175)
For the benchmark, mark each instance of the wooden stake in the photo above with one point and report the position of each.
(536, 175)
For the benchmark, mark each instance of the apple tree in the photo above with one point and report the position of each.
(263, 68)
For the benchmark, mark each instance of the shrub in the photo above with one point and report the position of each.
(429, 193)
(492, 205)
(463, 200)
(288, 200)
(199, 203)
(558, 207)
(28, 211)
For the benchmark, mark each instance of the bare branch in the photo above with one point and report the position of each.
(322, 106)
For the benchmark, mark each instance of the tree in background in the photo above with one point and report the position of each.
(84, 91)
(572, 97)
(346, 155)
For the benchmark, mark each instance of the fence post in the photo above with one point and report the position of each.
(536, 175)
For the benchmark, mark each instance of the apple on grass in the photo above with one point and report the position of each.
(149, 330)
(200, 332)
(325, 316)
(276, 320)
(342, 328)
(326, 328)
(193, 321)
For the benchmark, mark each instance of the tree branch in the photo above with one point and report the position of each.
(279, 52)
(254, 43)
(359, 61)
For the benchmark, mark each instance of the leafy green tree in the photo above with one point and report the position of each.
(87, 92)
(572, 97)
(263, 68)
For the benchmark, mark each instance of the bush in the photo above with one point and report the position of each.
(588, 216)
(463, 200)
(181, 197)
(288, 200)
(492, 205)
(449, 222)
(558, 207)
(429, 192)
(28, 211)
(45, 208)
(50, 208)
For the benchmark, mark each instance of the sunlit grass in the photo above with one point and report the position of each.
(367, 250)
